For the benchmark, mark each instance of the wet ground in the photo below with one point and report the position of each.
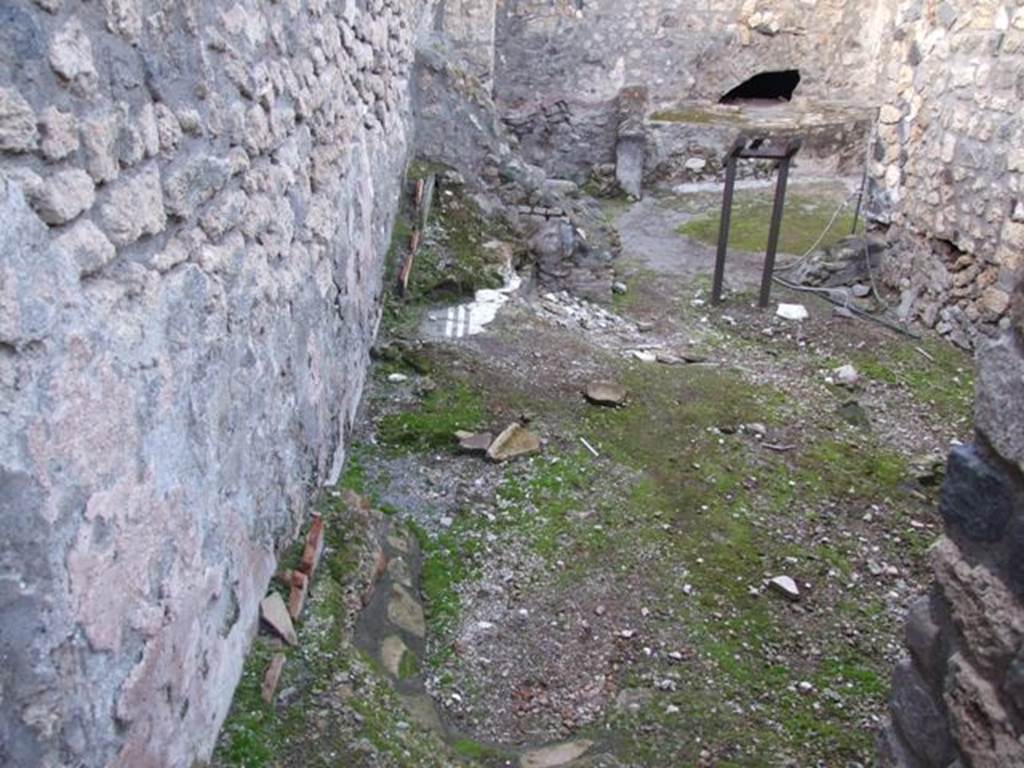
(609, 600)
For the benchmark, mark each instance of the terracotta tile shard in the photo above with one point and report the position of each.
(314, 548)
(275, 615)
(272, 677)
(297, 594)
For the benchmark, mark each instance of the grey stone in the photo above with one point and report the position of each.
(17, 122)
(392, 651)
(88, 247)
(474, 442)
(514, 442)
(405, 612)
(134, 207)
(193, 184)
(606, 393)
(1000, 391)
(629, 164)
(923, 634)
(71, 57)
(59, 133)
(920, 716)
(785, 586)
(978, 498)
(555, 755)
(63, 196)
(34, 282)
(275, 614)
(99, 142)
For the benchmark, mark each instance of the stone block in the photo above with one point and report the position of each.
(194, 183)
(920, 715)
(135, 207)
(87, 246)
(984, 609)
(17, 122)
(313, 548)
(71, 58)
(99, 142)
(1000, 392)
(59, 133)
(923, 634)
(272, 678)
(984, 731)
(63, 196)
(630, 153)
(978, 498)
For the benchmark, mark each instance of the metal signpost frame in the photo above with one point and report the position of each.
(746, 148)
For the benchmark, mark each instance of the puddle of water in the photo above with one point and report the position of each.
(473, 317)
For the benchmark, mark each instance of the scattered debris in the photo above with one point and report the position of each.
(314, 548)
(474, 442)
(272, 678)
(847, 375)
(792, 312)
(786, 587)
(514, 442)
(275, 614)
(606, 393)
(551, 757)
(619, 288)
(299, 589)
(645, 356)
(778, 448)
(398, 378)
(590, 448)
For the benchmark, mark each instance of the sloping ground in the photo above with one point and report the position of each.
(611, 596)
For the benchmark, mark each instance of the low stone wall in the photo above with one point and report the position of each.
(958, 698)
(195, 203)
(948, 170)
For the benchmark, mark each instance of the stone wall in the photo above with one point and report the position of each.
(195, 202)
(948, 170)
(562, 63)
(959, 695)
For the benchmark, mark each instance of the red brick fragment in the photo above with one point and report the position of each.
(272, 678)
(297, 594)
(313, 549)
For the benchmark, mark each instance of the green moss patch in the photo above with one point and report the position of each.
(805, 218)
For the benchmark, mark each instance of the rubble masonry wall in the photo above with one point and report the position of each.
(948, 166)
(196, 199)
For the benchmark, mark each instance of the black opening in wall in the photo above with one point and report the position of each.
(766, 86)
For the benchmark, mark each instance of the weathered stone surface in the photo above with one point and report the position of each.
(474, 442)
(405, 612)
(554, 756)
(984, 731)
(173, 410)
(988, 615)
(978, 498)
(63, 196)
(17, 122)
(134, 207)
(606, 393)
(923, 633)
(514, 442)
(59, 133)
(1000, 391)
(272, 678)
(71, 57)
(99, 140)
(88, 247)
(274, 613)
(191, 185)
(920, 716)
(34, 284)
(392, 650)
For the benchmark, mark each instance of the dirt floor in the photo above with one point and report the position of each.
(608, 601)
